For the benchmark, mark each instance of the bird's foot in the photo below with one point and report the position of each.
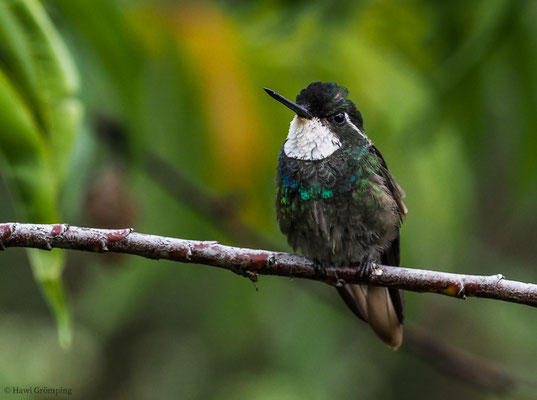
(367, 270)
(328, 274)
(320, 270)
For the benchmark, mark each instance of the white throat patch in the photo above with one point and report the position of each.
(309, 139)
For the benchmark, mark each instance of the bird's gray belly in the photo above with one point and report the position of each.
(340, 234)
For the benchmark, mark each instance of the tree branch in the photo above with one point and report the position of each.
(251, 263)
(221, 211)
(223, 214)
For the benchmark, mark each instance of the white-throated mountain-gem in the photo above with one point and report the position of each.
(338, 203)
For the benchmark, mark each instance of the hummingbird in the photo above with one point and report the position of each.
(337, 202)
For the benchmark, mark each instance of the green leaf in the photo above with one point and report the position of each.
(47, 267)
(39, 118)
(26, 154)
(39, 62)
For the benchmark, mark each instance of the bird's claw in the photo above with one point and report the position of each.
(319, 269)
(367, 270)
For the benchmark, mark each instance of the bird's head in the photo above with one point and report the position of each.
(326, 120)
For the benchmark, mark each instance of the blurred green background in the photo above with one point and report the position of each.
(151, 114)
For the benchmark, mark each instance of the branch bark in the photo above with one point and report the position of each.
(251, 263)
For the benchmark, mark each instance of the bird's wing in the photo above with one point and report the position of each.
(356, 296)
(391, 256)
(396, 190)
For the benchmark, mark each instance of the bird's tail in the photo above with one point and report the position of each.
(380, 307)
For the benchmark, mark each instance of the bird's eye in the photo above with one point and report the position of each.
(339, 118)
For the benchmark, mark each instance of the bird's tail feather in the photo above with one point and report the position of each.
(375, 305)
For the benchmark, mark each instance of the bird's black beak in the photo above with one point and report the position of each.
(299, 110)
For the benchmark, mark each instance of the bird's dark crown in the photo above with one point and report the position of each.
(323, 99)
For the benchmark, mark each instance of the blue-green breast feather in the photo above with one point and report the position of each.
(335, 210)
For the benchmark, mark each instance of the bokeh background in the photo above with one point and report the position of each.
(151, 114)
